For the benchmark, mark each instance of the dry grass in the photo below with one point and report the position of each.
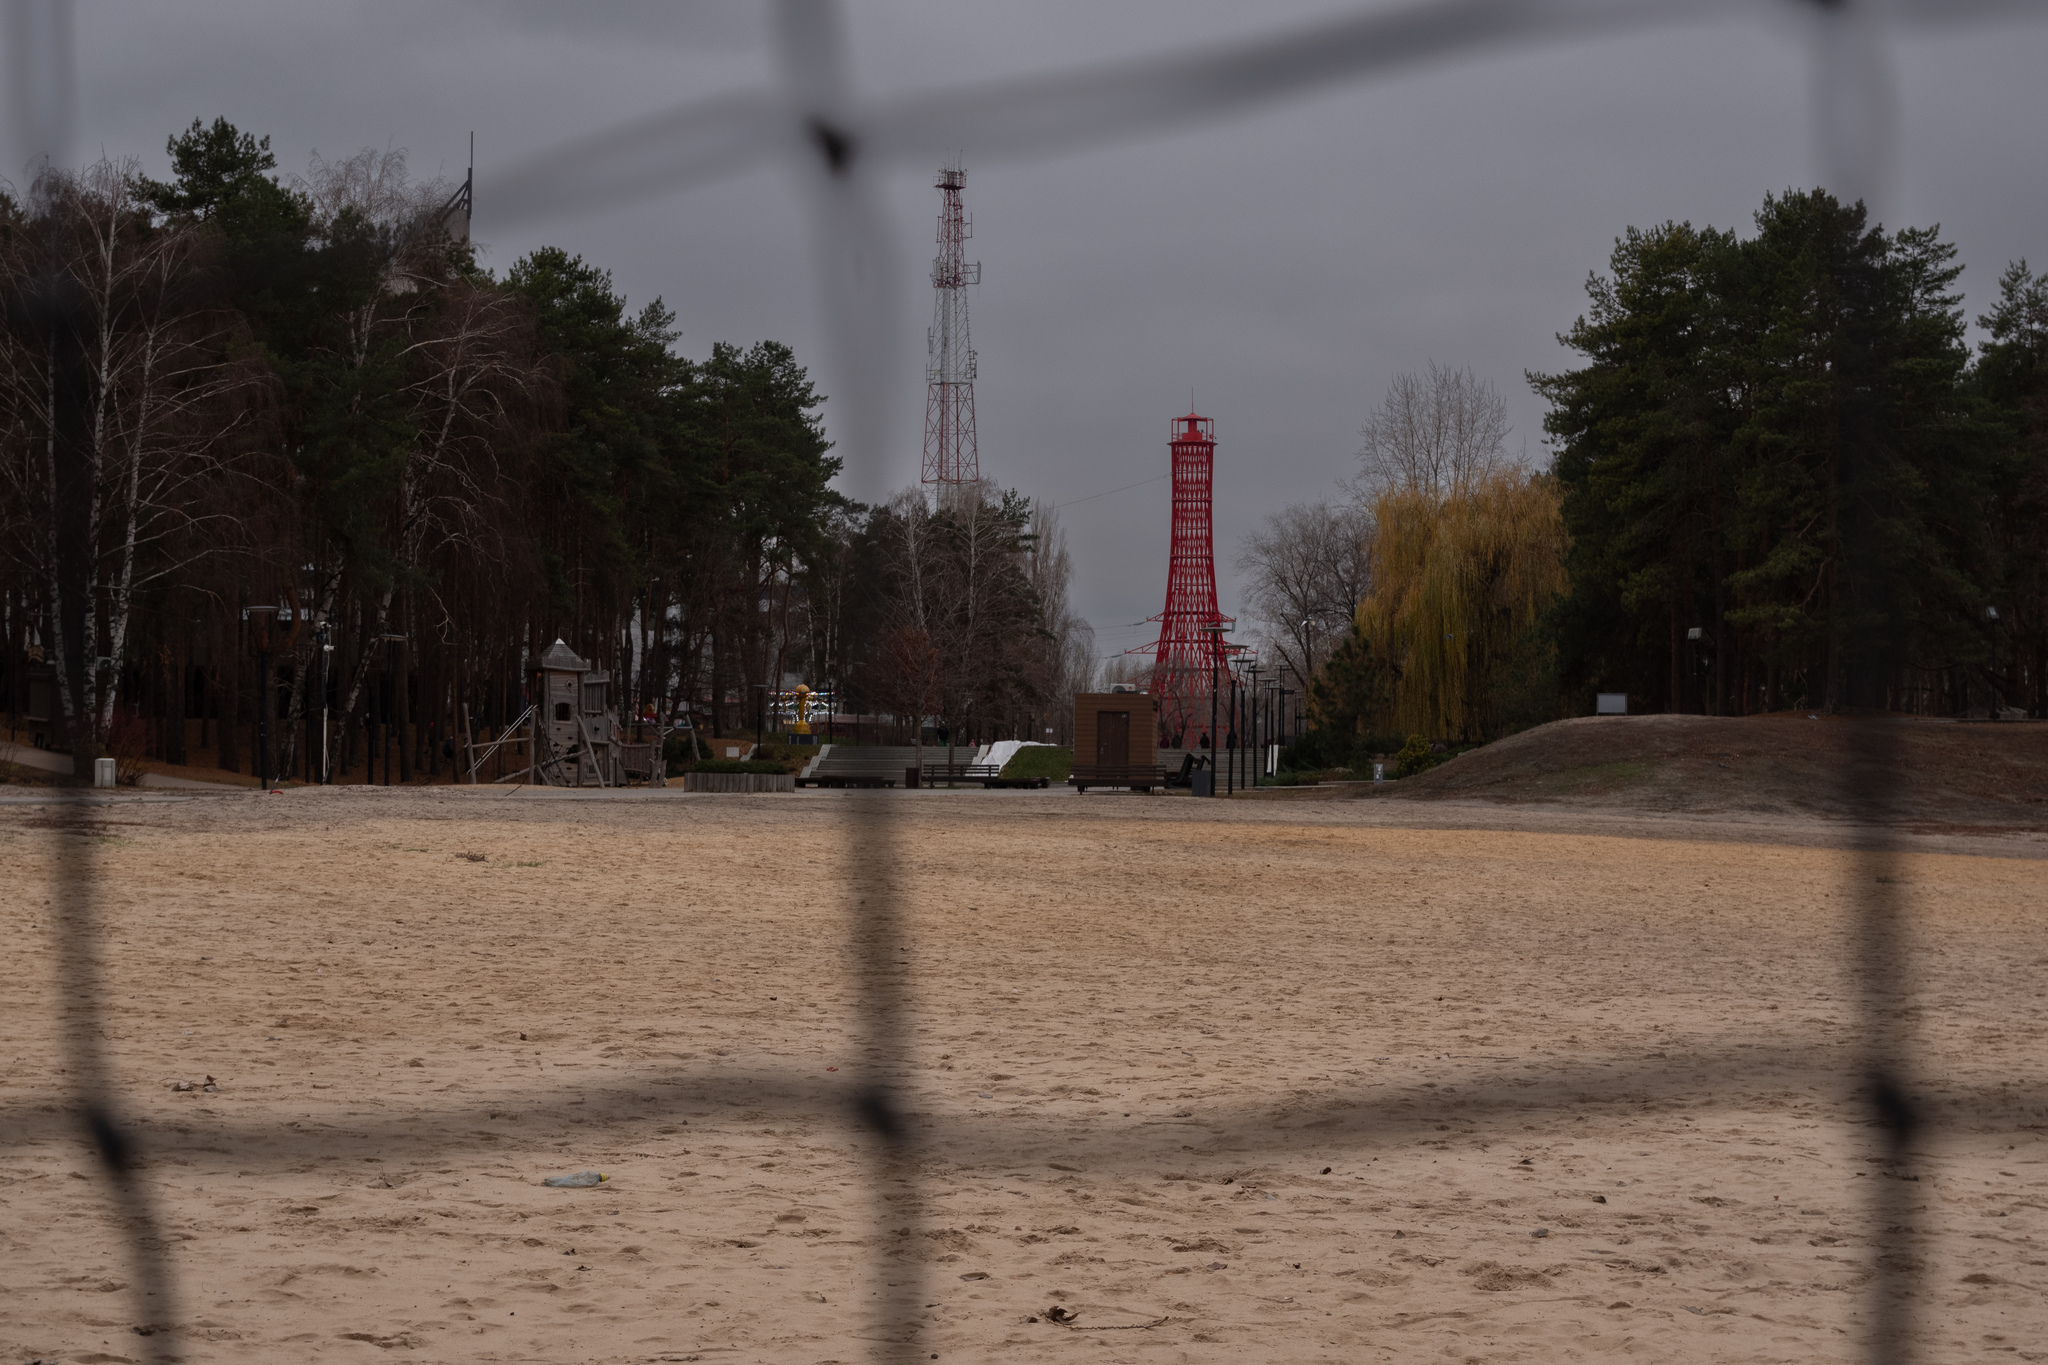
(1953, 774)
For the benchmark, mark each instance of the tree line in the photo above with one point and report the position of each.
(1782, 478)
(280, 447)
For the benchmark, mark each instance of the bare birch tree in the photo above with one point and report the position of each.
(1438, 433)
(1066, 654)
(162, 416)
(1306, 570)
(962, 601)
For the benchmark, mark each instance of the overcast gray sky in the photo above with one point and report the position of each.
(1281, 266)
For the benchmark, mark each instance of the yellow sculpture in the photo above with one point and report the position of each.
(803, 710)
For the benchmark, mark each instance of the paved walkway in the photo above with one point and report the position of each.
(28, 756)
(43, 760)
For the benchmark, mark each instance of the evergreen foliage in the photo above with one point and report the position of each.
(1776, 441)
(1345, 696)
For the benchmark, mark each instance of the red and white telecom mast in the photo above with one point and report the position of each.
(1192, 657)
(950, 457)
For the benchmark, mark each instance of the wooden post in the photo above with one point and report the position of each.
(468, 746)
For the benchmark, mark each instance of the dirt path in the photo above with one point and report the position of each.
(1304, 1084)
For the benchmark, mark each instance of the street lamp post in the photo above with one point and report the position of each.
(1265, 705)
(1236, 739)
(384, 710)
(1214, 630)
(1991, 615)
(1274, 719)
(1692, 636)
(1265, 728)
(401, 705)
(326, 669)
(1251, 710)
(259, 619)
(394, 711)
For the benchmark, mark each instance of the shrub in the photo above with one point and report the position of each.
(1416, 756)
(1298, 755)
(128, 745)
(1322, 750)
(1315, 751)
(1345, 693)
(676, 749)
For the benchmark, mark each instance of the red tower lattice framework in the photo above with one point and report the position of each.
(950, 457)
(1192, 655)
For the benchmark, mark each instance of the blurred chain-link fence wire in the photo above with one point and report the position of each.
(839, 144)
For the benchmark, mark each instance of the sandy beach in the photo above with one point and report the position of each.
(1239, 1081)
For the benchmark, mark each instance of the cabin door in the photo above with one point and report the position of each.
(1113, 739)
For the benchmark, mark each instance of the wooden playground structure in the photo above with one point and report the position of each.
(570, 734)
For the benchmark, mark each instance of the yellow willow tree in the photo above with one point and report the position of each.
(1459, 577)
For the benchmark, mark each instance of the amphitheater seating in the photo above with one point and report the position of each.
(849, 765)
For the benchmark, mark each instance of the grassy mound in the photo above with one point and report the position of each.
(1946, 772)
(1038, 761)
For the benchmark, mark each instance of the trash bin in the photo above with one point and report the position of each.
(103, 772)
(1203, 781)
(910, 777)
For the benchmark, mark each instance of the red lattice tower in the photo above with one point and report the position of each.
(950, 457)
(1192, 655)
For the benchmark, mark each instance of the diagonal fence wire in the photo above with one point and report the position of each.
(837, 142)
(1853, 115)
(852, 250)
(40, 72)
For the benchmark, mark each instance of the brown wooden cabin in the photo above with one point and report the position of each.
(1116, 741)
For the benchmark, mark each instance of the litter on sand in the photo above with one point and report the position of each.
(581, 1180)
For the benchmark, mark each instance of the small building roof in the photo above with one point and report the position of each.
(561, 657)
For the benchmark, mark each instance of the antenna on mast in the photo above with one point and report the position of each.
(455, 213)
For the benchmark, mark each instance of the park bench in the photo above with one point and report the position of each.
(1137, 778)
(987, 774)
(844, 765)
